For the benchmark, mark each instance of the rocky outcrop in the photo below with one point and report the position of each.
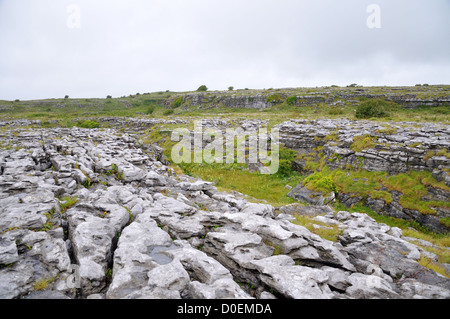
(394, 148)
(89, 214)
(350, 146)
(390, 147)
(408, 97)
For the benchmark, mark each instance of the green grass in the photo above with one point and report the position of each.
(328, 232)
(362, 183)
(66, 110)
(43, 283)
(412, 186)
(436, 267)
(363, 142)
(234, 177)
(88, 124)
(320, 182)
(154, 105)
(67, 202)
(387, 197)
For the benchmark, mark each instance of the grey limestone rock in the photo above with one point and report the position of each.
(140, 231)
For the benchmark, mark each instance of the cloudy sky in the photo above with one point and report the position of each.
(94, 48)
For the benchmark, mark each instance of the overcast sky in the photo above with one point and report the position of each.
(94, 48)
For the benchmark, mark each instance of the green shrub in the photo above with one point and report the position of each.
(168, 112)
(291, 100)
(319, 182)
(372, 108)
(177, 102)
(445, 221)
(147, 102)
(275, 98)
(88, 124)
(202, 88)
(286, 157)
(150, 110)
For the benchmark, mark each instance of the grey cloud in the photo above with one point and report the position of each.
(125, 47)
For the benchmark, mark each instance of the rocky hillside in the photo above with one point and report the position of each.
(408, 97)
(394, 150)
(93, 213)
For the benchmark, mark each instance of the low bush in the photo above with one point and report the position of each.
(150, 110)
(88, 124)
(320, 182)
(372, 108)
(177, 102)
(275, 99)
(291, 100)
(286, 157)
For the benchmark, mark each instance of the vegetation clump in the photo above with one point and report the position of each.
(177, 102)
(362, 142)
(286, 157)
(275, 99)
(88, 124)
(328, 232)
(291, 100)
(320, 182)
(372, 108)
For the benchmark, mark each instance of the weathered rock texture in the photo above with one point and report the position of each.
(377, 147)
(342, 144)
(408, 97)
(391, 147)
(93, 201)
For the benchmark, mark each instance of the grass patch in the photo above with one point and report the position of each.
(275, 98)
(177, 102)
(67, 202)
(412, 186)
(436, 267)
(234, 177)
(42, 284)
(88, 124)
(362, 183)
(363, 143)
(387, 197)
(328, 232)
